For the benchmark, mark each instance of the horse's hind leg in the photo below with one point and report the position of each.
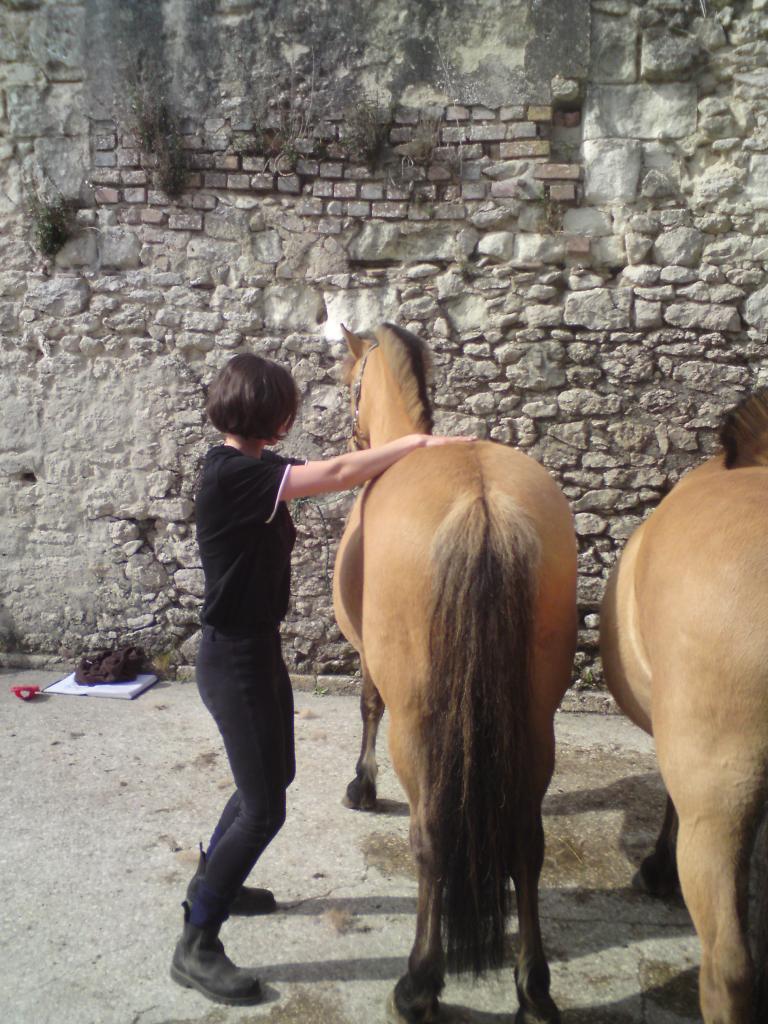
(361, 792)
(713, 862)
(532, 969)
(415, 996)
(658, 872)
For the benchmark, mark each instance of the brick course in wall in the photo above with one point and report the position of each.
(454, 166)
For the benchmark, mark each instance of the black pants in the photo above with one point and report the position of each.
(245, 685)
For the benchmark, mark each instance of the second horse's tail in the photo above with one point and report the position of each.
(478, 738)
(744, 432)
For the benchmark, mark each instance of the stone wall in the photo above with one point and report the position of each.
(568, 201)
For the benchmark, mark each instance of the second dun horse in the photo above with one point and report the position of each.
(455, 581)
(684, 642)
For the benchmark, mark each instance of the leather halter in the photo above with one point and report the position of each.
(358, 439)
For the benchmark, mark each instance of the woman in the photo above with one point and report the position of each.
(245, 535)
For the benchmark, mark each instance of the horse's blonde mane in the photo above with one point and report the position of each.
(407, 358)
(744, 432)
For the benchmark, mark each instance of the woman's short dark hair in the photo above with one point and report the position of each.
(252, 398)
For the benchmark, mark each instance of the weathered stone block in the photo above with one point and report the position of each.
(267, 246)
(360, 308)
(540, 249)
(508, 189)
(190, 581)
(60, 296)
(638, 246)
(212, 252)
(716, 120)
(756, 310)
(293, 307)
(390, 210)
(640, 111)
(468, 313)
(562, 192)
(191, 341)
(27, 113)
(603, 500)
(657, 185)
(614, 45)
(56, 43)
(106, 195)
(611, 170)
(190, 221)
(757, 183)
(667, 57)
(474, 190)
(681, 247)
(215, 180)
(706, 317)
(522, 130)
(77, 252)
(487, 133)
(200, 321)
(580, 280)
(379, 240)
(226, 224)
(647, 314)
(710, 378)
(541, 366)
(119, 249)
(588, 525)
(599, 308)
(544, 316)
(564, 172)
(523, 148)
(498, 244)
(584, 221)
(585, 402)
(289, 183)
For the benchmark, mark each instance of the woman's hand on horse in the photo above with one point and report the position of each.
(435, 441)
(342, 472)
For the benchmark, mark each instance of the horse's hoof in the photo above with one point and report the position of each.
(360, 796)
(409, 1005)
(545, 1015)
(439, 1014)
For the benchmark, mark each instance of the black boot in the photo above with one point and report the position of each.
(249, 902)
(199, 961)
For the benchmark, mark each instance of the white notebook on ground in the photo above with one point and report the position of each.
(125, 691)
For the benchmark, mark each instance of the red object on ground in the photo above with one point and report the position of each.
(25, 692)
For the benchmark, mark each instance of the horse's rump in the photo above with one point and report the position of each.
(702, 569)
(480, 808)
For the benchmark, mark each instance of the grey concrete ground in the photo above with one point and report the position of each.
(103, 803)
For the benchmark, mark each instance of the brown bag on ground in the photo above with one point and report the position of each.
(118, 666)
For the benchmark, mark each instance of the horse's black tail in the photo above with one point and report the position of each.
(478, 747)
(744, 432)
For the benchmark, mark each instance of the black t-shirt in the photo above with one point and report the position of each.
(245, 536)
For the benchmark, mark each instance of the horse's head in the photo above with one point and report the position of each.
(391, 386)
(354, 368)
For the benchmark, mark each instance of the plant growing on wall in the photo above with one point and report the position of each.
(51, 218)
(367, 123)
(158, 130)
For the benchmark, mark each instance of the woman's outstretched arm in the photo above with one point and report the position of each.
(341, 472)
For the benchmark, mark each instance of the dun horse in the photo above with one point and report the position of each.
(684, 638)
(455, 581)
